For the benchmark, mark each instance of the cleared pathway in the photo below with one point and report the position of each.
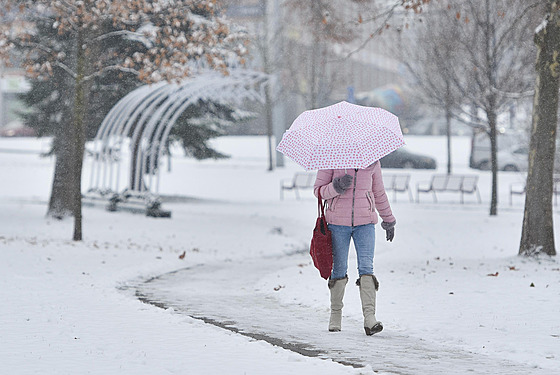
(225, 294)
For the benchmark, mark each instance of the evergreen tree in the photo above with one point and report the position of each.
(84, 50)
(203, 121)
(51, 102)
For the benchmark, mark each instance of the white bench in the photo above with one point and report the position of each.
(516, 188)
(398, 183)
(519, 188)
(301, 180)
(449, 183)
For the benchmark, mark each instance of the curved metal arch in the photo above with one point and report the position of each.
(157, 132)
(100, 143)
(248, 93)
(123, 129)
(103, 149)
(145, 135)
(147, 114)
(114, 137)
(196, 87)
(119, 122)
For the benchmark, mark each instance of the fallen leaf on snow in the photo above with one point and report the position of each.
(493, 274)
(277, 288)
(182, 256)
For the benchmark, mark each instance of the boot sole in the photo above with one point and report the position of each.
(377, 327)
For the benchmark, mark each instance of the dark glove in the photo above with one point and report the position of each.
(340, 184)
(389, 230)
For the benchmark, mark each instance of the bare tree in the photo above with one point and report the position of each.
(478, 54)
(537, 235)
(310, 63)
(430, 61)
(538, 229)
(176, 34)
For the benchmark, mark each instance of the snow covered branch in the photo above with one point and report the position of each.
(106, 69)
(118, 33)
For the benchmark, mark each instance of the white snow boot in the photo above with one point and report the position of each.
(368, 286)
(336, 287)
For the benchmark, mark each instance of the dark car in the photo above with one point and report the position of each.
(401, 158)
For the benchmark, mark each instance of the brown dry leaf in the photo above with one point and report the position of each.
(493, 274)
(182, 256)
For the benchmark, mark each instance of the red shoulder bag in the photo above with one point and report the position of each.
(321, 243)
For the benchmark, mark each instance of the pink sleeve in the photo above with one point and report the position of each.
(324, 182)
(381, 201)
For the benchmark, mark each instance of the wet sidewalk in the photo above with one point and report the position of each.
(225, 294)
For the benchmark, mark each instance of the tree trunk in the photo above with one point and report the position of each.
(492, 122)
(491, 111)
(79, 136)
(60, 206)
(537, 235)
(448, 127)
(316, 18)
(268, 100)
(313, 75)
(268, 112)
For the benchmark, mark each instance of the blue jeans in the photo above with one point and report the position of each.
(364, 242)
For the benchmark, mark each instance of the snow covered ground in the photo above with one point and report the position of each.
(454, 297)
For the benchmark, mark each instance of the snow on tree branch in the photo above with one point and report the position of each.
(174, 36)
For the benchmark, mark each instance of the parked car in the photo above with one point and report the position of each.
(511, 147)
(516, 159)
(402, 158)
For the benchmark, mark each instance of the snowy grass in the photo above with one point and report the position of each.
(451, 276)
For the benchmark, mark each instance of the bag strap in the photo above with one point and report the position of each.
(320, 204)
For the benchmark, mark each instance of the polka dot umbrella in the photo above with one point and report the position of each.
(340, 136)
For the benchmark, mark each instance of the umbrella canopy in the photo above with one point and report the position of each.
(342, 135)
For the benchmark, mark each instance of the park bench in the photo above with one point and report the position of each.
(519, 188)
(397, 183)
(464, 184)
(301, 180)
(129, 201)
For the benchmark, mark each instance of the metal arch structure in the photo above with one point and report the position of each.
(146, 116)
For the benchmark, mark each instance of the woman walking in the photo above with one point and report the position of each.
(353, 197)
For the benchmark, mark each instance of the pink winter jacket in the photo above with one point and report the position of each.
(357, 205)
